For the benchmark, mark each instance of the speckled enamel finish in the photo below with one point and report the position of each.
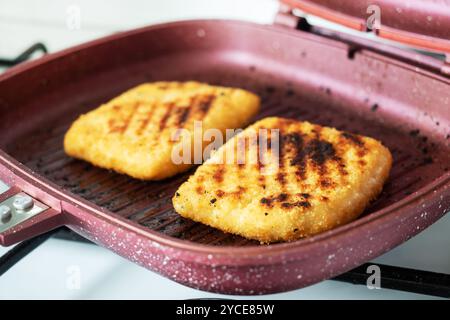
(227, 269)
(420, 23)
(265, 269)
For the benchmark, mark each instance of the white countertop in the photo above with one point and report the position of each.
(49, 270)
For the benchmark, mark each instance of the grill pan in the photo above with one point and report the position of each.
(400, 98)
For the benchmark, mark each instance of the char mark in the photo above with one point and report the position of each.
(262, 181)
(166, 116)
(240, 190)
(220, 193)
(260, 165)
(281, 174)
(320, 151)
(123, 126)
(353, 138)
(287, 142)
(356, 140)
(218, 174)
(298, 204)
(282, 200)
(269, 201)
(316, 150)
(199, 190)
(205, 103)
(259, 155)
(294, 139)
(198, 106)
(326, 183)
(281, 178)
(182, 114)
(296, 142)
(146, 120)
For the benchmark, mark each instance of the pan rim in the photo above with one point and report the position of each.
(425, 60)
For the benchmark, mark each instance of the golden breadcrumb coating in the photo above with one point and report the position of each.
(133, 133)
(325, 178)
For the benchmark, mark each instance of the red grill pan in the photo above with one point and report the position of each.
(400, 98)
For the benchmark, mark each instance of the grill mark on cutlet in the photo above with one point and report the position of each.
(240, 190)
(111, 123)
(260, 165)
(218, 174)
(342, 167)
(182, 114)
(298, 159)
(146, 120)
(318, 152)
(269, 148)
(287, 143)
(281, 174)
(220, 193)
(198, 105)
(241, 144)
(124, 126)
(269, 201)
(130, 117)
(206, 103)
(356, 140)
(353, 138)
(300, 204)
(282, 198)
(186, 112)
(199, 190)
(167, 114)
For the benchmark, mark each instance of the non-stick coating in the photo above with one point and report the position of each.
(297, 75)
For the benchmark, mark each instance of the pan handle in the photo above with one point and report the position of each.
(27, 209)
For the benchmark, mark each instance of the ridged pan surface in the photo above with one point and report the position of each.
(297, 75)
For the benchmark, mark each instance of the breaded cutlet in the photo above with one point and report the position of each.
(324, 178)
(133, 133)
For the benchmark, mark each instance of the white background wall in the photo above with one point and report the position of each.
(23, 22)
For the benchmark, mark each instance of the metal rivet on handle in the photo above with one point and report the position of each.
(22, 207)
(5, 214)
(23, 202)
